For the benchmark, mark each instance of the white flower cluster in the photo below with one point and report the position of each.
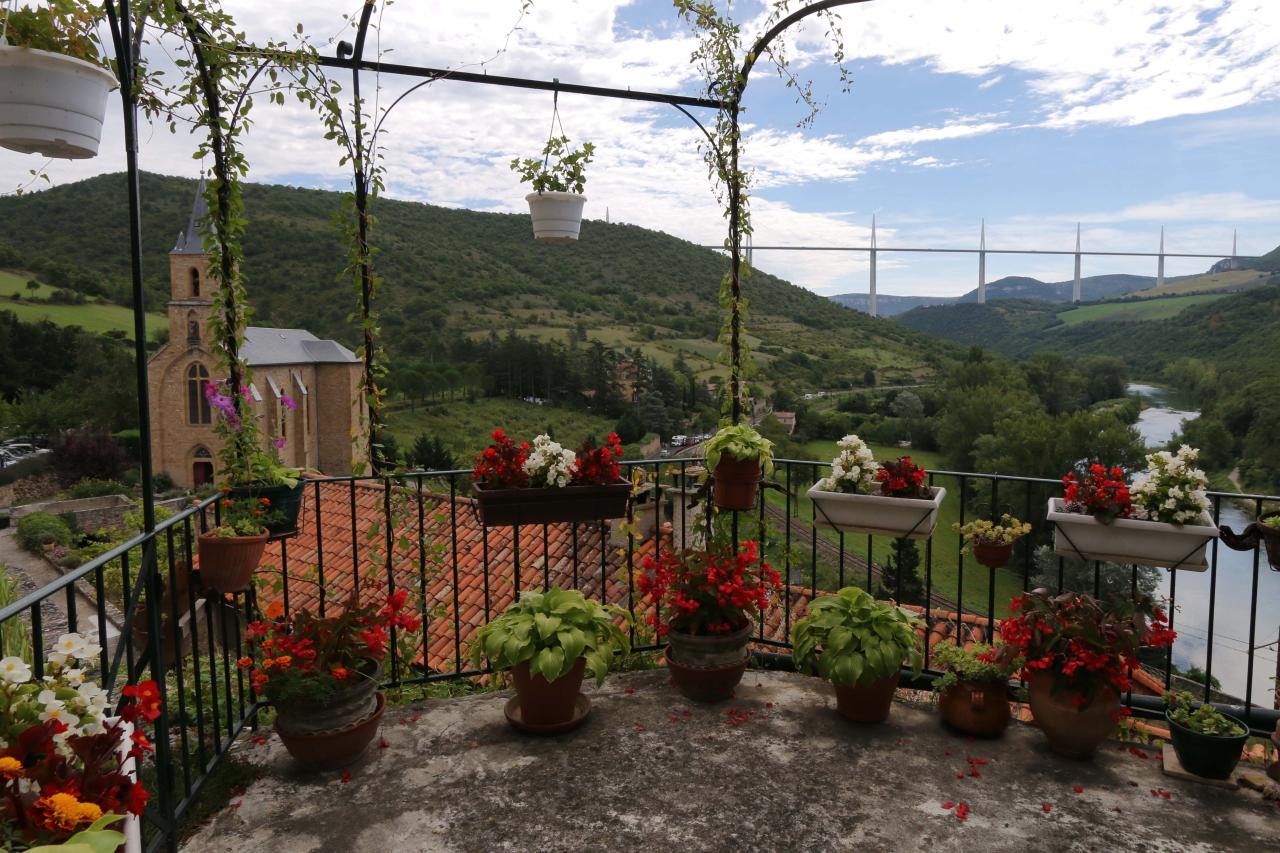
(549, 464)
(1172, 489)
(854, 469)
(64, 694)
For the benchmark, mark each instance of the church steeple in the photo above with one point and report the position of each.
(190, 293)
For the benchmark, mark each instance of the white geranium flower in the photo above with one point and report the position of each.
(14, 670)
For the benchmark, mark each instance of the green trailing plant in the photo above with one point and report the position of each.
(551, 630)
(851, 639)
(1200, 717)
(58, 26)
(561, 168)
(741, 442)
(1273, 522)
(977, 663)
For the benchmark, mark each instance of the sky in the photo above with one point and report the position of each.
(1124, 117)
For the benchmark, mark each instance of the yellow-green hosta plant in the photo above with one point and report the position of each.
(986, 532)
(551, 630)
(851, 639)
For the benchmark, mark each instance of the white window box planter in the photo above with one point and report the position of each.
(51, 104)
(557, 217)
(1130, 541)
(909, 518)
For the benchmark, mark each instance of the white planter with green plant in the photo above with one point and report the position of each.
(53, 87)
(558, 180)
(738, 457)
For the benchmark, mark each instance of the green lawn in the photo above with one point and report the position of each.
(946, 542)
(465, 427)
(1146, 309)
(15, 284)
(92, 317)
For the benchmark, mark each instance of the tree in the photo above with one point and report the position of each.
(1056, 381)
(32, 287)
(430, 454)
(900, 576)
(1108, 377)
(1115, 582)
(77, 456)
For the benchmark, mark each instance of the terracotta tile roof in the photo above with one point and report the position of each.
(560, 554)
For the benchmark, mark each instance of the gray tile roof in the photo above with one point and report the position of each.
(191, 241)
(264, 346)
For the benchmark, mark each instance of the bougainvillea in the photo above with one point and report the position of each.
(1087, 648)
(1099, 491)
(707, 592)
(901, 478)
(308, 658)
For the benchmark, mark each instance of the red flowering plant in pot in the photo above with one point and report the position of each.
(68, 772)
(231, 549)
(542, 482)
(322, 672)
(1079, 657)
(704, 604)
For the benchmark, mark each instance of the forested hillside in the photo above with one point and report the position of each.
(452, 274)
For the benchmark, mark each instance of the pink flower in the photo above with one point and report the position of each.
(278, 441)
(288, 401)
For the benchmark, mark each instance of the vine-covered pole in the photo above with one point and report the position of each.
(369, 380)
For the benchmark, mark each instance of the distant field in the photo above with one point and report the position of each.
(465, 427)
(1147, 309)
(92, 317)
(1233, 280)
(15, 284)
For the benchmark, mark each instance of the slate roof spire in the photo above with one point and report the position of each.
(191, 241)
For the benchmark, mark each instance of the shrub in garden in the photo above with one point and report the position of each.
(79, 456)
(41, 528)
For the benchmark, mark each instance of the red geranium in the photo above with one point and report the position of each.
(501, 464)
(1100, 491)
(1087, 648)
(599, 466)
(901, 479)
(702, 592)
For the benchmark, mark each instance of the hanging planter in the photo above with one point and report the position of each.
(558, 180)
(1265, 530)
(991, 543)
(1128, 540)
(738, 457)
(902, 507)
(543, 483)
(50, 103)
(230, 552)
(285, 499)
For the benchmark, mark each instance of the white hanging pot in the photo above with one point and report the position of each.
(1131, 540)
(557, 217)
(901, 518)
(51, 104)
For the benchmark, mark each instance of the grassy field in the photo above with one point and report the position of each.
(92, 317)
(465, 427)
(946, 573)
(1233, 280)
(1147, 309)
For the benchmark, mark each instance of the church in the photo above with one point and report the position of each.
(321, 377)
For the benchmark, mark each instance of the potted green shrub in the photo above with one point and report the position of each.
(558, 180)
(973, 688)
(1208, 742)
(738, 457)
(53, 83)
(322, 673)
(859, 645)
(992, 544)
(705, 603)
(230, 550)
(548, 641)
(863, 496)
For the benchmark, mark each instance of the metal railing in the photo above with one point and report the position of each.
(423, 534)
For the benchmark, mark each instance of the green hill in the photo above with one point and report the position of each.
(1009, 326)
(456, 273)
(1134, 309)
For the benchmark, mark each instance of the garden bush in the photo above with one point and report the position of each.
(96, 455)
(39, 528)
(94, 488)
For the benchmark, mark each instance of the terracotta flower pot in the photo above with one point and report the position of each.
(867, 703)
(977, 708)
(227, 563)
(991, 555)
(736, 482)
(706, 668)
(547, 703)
(1071, 731)
(336, 747)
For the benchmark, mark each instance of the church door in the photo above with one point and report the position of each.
(202, 474)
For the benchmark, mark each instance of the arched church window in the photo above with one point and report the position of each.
(197, 403)
(195, 283)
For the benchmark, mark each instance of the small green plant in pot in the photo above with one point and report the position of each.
(1208, 742)
(973, 688)
(992, 544)
(558, 179)
(859, 645)
(549, 640)
(738, 457)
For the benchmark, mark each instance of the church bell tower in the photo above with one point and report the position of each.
(190, 289)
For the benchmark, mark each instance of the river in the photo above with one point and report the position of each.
(1234, 593)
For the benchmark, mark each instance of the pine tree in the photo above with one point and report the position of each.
(900, 575)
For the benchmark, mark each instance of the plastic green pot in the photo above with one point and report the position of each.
(1210, 756)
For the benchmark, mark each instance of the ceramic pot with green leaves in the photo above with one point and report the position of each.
(1208, 742)
(973, 688)
(558, 179)
(992, 543)
(738, 457)
(549, 640)
(53, 80)
(859, 645)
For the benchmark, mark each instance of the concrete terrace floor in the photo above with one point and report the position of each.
(773, 769)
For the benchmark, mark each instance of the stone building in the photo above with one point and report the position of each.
(321, 377)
